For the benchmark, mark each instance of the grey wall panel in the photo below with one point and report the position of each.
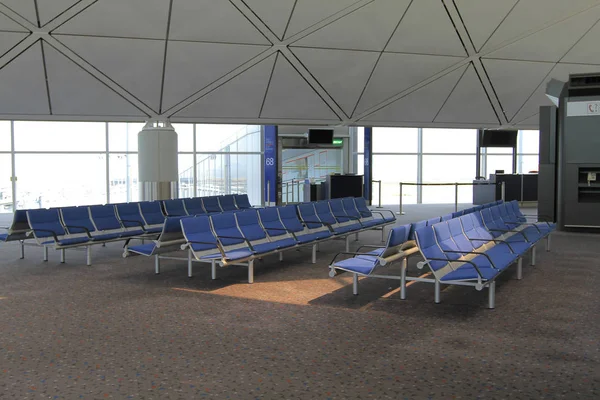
(546, 192)
(547, 135)
(582, 140)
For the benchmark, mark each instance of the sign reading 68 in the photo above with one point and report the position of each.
(269, 161)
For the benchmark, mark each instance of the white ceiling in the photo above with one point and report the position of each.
(451, 63)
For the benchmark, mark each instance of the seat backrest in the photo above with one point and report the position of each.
(515, 206)
(447, 217)
(129, 215)
(211, 204)
(152, 212)
(350, 207)
(414, 227)
(174, 208)
(444, 240)
(249, 225)
(227, 202)
(198, 229)
(76, 218)
(225, 225)
(269, 217)
(194, 206)
(457, 214)
(289, 218)
(480, 229)
(242, 201)
(361, 205)
(324, 213)
(458, 236)
(104, 217)
(171, 229)
(338, 211)
(433, 221)
(309, 216)
(19, 223)
(43, 220)
(429, 248)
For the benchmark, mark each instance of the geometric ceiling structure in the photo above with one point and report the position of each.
(445, 63)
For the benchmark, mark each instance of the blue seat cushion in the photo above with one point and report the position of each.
(137, 232)
(362, 265)
(284, 243)
(157, 229)
(145, 249)
(372, 222)
(107, 236)
(313, 237)
(346, 229)
(468, 272)
(265, 247)
(70, 241)
(3, 237)
(231, 255)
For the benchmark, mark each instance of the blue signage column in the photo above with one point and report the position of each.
(368, 157)
(270, 165)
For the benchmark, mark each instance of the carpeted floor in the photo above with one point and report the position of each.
(116, 330)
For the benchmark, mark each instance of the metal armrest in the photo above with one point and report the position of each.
(495, 241)
(371, 246)
(282, 230)
(87, 231)
(54, 236)
(216, 244)
(141, 224)
(317, 222)
(349, 217)
(349, 253)
(522, 223)
(427, 261)
(472, 252)
(510, 231)
(236, 237)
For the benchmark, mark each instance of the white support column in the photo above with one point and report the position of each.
(88, 251)
(156, 264)
(314, 253)
(22, 243)
(251, 271)
(533, 253)
(383, 234)
(45, 253)
(356, 237)
(281, 256)
(403, 278)
(437, 292)
(62, 256)
(347, 244)
(492, 296)
(213, 270)
(520, 268)
(355, 284)
(189, 262)
(548, 242)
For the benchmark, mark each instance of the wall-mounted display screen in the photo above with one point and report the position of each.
(320, 136)
(499, 138)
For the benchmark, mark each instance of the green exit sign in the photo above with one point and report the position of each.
(338, 142)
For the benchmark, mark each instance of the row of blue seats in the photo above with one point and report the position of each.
(471, 249)
(67, 227)
(238, 238)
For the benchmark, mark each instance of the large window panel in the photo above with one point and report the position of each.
(5, 184)
(360, 140)
(185, 137)
(360, 164)
(395, 140)
(391, 170)
(60, 136)
(528, 164)
(502, 162)
(227, 138)
(123, 136)
(4, 136)
(448, 169)
(123, 175)
(220, 174)
(529, 142)
(499, 150)
(60, 180)
(449, 141)
(186, 175)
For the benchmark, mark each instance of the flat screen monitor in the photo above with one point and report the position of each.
(499, 138)
(320, 136)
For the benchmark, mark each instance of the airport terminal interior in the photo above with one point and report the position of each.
(299, 199)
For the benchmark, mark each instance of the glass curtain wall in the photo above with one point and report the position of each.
(58, 164)
(411, 155)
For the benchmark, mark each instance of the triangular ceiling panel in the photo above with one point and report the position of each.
(134, 64)
(586, 50)
(531, 121)
(74, 91)
(212, 21)
(482, 17)
(25, 8)
(241, 97)
(539, 98)
(512, 92)
(8, 40)
(397, 72)
(310, 12)
(50, 9)
(24, 79)
(468, 103)
(552, 43)
(530, 15)
(342, 73)
(8, 25)
(422, 105)
(275, 14)
(290, 96)
(192, 65)
(368, 28)
(436, 37)
(119, 18)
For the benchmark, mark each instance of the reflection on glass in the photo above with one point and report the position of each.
(448, 169)
(4, 136)
(185, 137)
(529, 142)
(224, 138)
(186, 175)
(391, 170)
(5, 184)
(123, 136)
(395, 140)
(60, 136)
(499, 162)
(220, 174)
(123, 175)
(449, 140)
(67, 180)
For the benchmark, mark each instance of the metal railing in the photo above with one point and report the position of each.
(456, 186)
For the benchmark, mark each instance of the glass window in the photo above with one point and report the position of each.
(185, 137)
(529, 142)
(220, 174)
(499, 162)
(391, 170)
(360, 139)
(227, 138)
(60, 136)
(122, 136)
(5, 184)
(71, 185)
(4, 136)
(499, 150)
(448, 169)
(395, 140)
(186, 175)
(123, 175)
(527, 164)
(360, 164)
(449, 141)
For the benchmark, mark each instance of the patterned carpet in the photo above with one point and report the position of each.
(116, 330)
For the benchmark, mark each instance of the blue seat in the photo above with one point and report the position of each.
(174, 208)
(325, 215)
(131, 218)
(447, 217)
(105, 220)
(269, 218)
(433, 221)
(414, 227)
(361, 205)
(242, 201)
(170, 238)
(227, 202)
(152, 213)
(194, 206)
(350, 208)
(211, 204)
(77, 221)
(476, 232)
(48, 229)
(514, 213)
(206, 244)
(498, 228)
(18, 229)
(251, 229)
(303, 232)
